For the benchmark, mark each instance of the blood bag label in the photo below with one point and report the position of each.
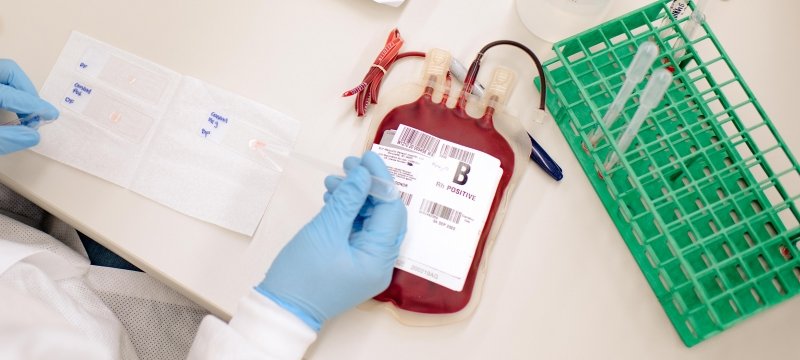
(448, 190)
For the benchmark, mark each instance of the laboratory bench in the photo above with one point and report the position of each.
(561, 283)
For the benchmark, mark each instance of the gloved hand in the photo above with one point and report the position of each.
(346, 254)
(17, 94)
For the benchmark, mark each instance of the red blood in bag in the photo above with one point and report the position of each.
(411, 292)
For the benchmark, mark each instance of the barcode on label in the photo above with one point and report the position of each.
(418, 141)
(448, 151)
(438, 210)
(406, 197)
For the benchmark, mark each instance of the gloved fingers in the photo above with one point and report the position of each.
(383, 229)
(12, 75)
(372, 162)
(17, 137)
(379, 249)
(376, 166)
(21, 102)
(346, 201)
(350, 163)
(366, 210)
(332, 182)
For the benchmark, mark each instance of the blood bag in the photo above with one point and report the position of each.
(455, 172)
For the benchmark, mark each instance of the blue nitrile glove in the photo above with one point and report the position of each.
(346, 254)
(17, 94)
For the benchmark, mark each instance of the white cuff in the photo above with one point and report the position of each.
(259, 327)
(279, 333)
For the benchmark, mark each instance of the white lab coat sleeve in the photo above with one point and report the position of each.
(260, 329)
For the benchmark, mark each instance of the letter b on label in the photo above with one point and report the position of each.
(461, 177)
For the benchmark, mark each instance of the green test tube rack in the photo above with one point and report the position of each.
(705, 196)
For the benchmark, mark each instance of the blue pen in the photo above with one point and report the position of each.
(496, 95)
(541, 158)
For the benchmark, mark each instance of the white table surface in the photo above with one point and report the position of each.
(561, 282)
